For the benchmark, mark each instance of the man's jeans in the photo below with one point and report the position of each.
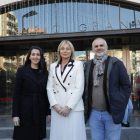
(101, 124)
(128, 110)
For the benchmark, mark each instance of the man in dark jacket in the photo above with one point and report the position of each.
(106, 94)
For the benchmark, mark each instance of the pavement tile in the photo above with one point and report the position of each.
(126, 134)
(132, 134)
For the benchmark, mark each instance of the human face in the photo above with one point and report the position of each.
(65, 51)
(99, 48)
(35, 57)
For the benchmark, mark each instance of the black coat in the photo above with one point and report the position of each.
(30, 104)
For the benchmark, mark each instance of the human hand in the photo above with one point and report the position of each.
(58, 108)
(49, 119)
(65, 111)
(16, 121)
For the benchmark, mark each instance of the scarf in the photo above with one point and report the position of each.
(98, 61)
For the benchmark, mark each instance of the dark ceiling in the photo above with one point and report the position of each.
(81, 40)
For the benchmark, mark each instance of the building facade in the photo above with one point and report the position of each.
(8, 24)
(45, 23)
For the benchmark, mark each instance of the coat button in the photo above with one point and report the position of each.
(56, 84)
(71, 93)
(70, 75)
(68, 83)
(57, 91)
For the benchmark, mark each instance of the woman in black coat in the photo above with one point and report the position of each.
(30, 102)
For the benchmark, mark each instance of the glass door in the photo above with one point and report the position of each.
(135, 79)
(8, 69)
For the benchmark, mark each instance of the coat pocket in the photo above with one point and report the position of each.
(117, 101)
(122, 95)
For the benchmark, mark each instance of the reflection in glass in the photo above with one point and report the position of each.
(9, 24)
(60, 17)
(22, 59)
(137, 14)
(127, 20)
(66, 16)
(46, 56)
(115, 52)
(80, 56)
(135, 79)
(8, 70)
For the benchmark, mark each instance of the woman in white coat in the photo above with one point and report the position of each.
(65, 88)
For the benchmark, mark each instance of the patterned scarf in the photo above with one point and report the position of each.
(98, 61)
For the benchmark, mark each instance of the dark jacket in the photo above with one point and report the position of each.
(116, 86)
(30, 104)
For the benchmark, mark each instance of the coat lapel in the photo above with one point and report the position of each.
(58, 75)
(62, 78)
(41, 77)
(30, 74)
(88, 69)
(67, 70)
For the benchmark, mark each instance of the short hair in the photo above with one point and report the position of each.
(71, 46)
(99, 39)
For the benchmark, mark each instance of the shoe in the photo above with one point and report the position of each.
(126, 125)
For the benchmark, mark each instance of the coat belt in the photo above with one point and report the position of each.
(35, 103)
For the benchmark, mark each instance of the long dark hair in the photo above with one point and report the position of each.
(42, 63)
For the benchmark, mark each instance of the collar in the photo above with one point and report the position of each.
(70, 60)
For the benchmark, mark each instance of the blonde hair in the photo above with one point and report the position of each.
(71, 47)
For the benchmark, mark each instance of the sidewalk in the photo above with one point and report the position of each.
(131, 133)
(126, 134)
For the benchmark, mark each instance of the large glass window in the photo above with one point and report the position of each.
(137, 15)
(43, 17)
(46, 17)
(135, 78)
(112, 52)
(108, 16)
(127, 20)
(8, 70)
(80, 55)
